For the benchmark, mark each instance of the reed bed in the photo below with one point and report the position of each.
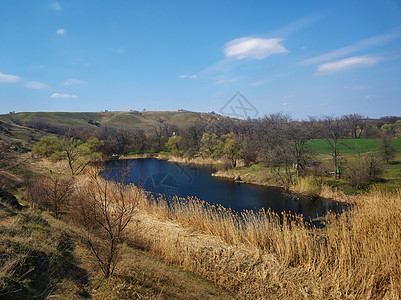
(261, 255)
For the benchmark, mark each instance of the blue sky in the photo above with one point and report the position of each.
(305, 58)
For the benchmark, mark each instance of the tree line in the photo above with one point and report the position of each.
(277, 141)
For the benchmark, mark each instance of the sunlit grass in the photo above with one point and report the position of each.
(357, 255)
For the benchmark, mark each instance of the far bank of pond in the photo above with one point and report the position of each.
(173, 179)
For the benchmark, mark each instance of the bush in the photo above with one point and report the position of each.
(364, 171)
(52, 192)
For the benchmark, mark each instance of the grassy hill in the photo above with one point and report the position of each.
(21, 137)
(113, 118)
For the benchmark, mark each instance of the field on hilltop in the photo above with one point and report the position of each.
(144, 119)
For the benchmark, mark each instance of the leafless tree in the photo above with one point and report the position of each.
(105, 209)
(192, 134)
(335, 130)
(52, 192)
(162, 131)
(356, 122)
(299, 133)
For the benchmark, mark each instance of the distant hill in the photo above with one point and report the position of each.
(136, 119)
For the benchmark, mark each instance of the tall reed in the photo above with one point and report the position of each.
(266, 255)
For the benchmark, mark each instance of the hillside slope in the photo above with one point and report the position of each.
(137, 119)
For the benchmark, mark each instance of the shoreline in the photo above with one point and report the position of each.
(324, 192)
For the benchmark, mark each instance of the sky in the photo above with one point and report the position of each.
(302, 58)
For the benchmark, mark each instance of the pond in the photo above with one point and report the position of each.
(173, 179)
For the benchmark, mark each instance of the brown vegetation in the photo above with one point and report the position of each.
(104, 209)
(264, 255)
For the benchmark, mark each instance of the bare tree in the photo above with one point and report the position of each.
(335, 130)
(192, 134)
(357, 123)
(162, 132)
(105, 209)
(53, 193)
(139, 140)
(299, 133)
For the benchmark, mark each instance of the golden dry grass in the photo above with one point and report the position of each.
(263, 255)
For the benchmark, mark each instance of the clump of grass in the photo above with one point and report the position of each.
(313, 186)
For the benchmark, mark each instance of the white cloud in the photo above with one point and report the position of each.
(36, 85)
(354, 62)
(56, 6)
(193, 76)
(73, 81)
(60, 31)
(377, 40)
(63, 96)
(255, 48)
(8, 78)
(285, 104)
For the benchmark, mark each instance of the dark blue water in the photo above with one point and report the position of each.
(170, 179)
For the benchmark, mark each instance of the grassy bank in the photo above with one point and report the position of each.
(41, 257)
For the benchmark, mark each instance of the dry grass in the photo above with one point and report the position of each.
(265, 255)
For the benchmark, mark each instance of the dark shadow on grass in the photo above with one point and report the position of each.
(37, 273)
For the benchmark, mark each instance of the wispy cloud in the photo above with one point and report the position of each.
(253, 47)
(354, 62)
(73, 81)
(377, 40)
(60, 31)
(63, 96)
(36, 85)
(297, 25)
(56, 6)
(194, 76)
(259, 83)
(221, 81)
(357, 87)
(8, 78)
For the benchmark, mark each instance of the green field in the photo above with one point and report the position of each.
(351, 146)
